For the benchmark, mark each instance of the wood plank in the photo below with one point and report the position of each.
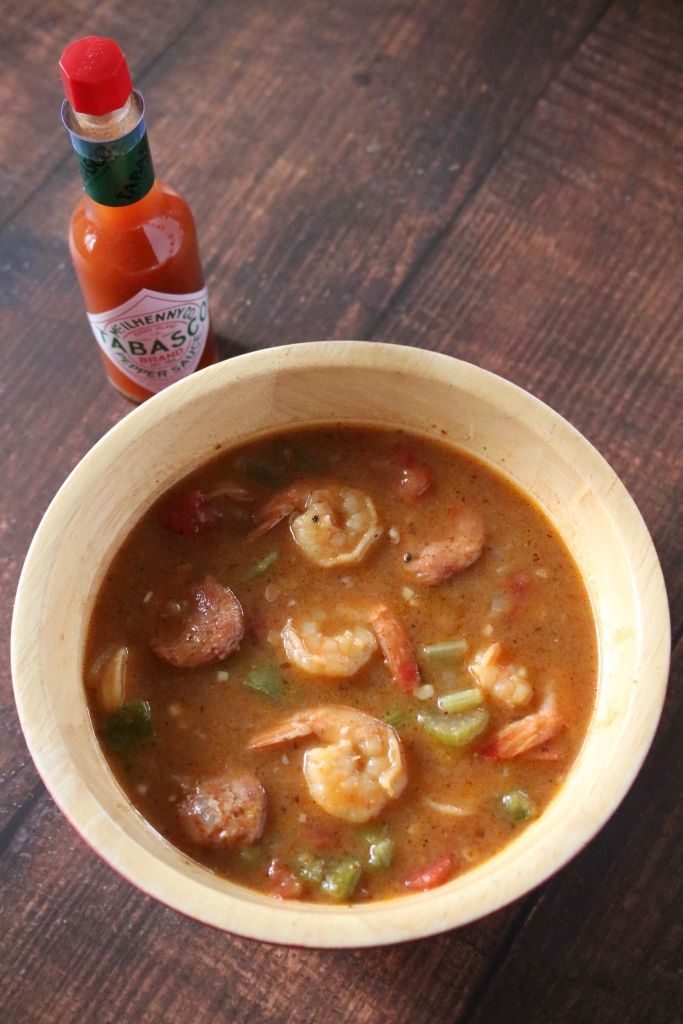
(564, 271)
(335, 170)
(81, 944)
(332, 229)
(32, 36)
(319, 155)
(564, 274)
(613, 952)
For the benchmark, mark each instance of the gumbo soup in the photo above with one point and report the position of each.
(341, 664)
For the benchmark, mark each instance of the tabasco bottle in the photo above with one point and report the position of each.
(132, 238)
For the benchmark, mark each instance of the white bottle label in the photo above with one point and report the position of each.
(155, 339)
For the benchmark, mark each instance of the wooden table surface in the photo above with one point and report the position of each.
(498, 180)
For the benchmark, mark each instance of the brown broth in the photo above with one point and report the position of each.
(203, 721)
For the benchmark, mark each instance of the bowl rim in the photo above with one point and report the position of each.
(393, 920)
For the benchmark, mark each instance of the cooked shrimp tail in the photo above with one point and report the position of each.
(397, 648)
(279, 508)
(358, 768)
(333, 525)
(526, 733)
(292, 729)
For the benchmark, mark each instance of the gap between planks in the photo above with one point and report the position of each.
(141, 75)
(20, 816)
(433, 244)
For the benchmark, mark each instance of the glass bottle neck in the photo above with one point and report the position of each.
(112, 152)
(107, 127)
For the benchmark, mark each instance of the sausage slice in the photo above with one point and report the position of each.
(197, 624)
(226, 810)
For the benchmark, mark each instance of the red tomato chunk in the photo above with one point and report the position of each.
(432, 875)
(189, 513)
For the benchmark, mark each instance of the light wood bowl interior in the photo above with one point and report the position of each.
(354, 382)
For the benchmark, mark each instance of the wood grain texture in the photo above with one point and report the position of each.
(497, 181)
(320, 148)
(32, 36)
(109, 954)
(564, 272)
(604, 941)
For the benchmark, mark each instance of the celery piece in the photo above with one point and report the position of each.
(261, 567)
(445, 649)
(517, 806)
(397, 717)
(454, 730)
(265, 679)
(381, 854)
(128, 726)
(380, 847)
(309, 868)
(461, 700)
(340, 879)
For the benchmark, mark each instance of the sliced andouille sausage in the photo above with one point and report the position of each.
(441, 559)
(225, 810)
(195, 624)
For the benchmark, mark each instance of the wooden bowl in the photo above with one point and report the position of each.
(354, 382)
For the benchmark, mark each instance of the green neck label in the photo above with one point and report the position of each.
(117, 172)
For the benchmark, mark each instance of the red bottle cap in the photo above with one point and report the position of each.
(95, 75)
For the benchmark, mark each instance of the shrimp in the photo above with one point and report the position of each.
(441, 559)
(507, 684)
(201, 623)
(360, 766)
(333, 525)
(225, 810)
(337, 656)
(397, 649)
(526, 733)
(342, 655)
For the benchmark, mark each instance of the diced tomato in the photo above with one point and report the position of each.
(189, 514)
(432, 875)
(285, 883)
(414, 477)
